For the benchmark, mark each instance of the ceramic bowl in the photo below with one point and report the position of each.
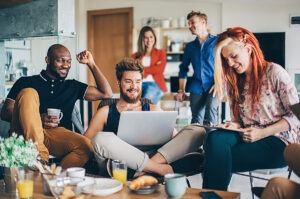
(76, 172)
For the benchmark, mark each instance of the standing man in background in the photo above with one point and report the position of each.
(200, 53)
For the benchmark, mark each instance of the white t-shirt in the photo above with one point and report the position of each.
(146, 61)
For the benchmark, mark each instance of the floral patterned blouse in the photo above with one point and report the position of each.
(278, 92)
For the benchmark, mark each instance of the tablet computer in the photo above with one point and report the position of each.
(219, 128)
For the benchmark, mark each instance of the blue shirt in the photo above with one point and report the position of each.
(202, 57)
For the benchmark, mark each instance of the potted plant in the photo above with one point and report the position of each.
(15, 154)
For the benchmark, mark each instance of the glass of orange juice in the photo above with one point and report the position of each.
(25, 185)
(119, 170)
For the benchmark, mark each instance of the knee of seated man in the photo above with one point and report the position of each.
(277, 181)
(85, 146)
(102, 142)
(193, 135)
(31, 92)
(103, 139)
(197, 130)
(290, 152)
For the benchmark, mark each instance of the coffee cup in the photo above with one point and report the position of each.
(175, 184)
(77, 172)
(55, 112)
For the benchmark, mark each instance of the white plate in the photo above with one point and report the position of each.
(66, 181)
(78, 183)
(87, 181)
(103, 187)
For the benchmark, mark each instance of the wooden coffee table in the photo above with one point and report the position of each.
(123, 194)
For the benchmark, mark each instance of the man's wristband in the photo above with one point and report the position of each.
(180, 91)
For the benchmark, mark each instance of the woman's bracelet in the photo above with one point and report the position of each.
(180, 91)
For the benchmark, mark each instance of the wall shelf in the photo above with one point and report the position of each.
(168, 36)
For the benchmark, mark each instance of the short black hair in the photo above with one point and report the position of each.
(51, 50)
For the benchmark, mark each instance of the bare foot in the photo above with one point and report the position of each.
(160, 169)
(159, 158)
(165, 169)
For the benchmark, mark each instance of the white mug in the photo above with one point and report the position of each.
(55, 112)
(76, 172)
(175, 184)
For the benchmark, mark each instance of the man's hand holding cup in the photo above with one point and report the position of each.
(52, 118)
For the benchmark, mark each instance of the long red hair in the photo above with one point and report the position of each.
(235, 83)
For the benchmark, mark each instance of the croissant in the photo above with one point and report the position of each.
(142, 181)
(67, 193)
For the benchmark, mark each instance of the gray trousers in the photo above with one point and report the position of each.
(109, 146)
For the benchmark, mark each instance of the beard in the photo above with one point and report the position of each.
(53, 72)
(129, 99)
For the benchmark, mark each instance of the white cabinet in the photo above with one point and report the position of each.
(37, 19)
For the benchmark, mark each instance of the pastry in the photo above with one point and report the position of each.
(142, 181)
(67, 193)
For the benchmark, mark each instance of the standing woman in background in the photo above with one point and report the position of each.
(154, 62)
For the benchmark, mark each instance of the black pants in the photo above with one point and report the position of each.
(226, 153)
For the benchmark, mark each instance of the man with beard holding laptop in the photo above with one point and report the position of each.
(169, 158)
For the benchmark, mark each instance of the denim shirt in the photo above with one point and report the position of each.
(202, 58)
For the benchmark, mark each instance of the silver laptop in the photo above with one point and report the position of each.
(146, 128)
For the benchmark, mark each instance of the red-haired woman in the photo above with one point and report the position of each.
(260, 94)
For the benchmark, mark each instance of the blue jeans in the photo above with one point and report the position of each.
(204, 107)
(151, 91)
(226, 152)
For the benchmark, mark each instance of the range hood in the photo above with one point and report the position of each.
(38, 18)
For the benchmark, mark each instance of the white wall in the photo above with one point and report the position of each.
(39, 48)
(262, 17)
(257, 17)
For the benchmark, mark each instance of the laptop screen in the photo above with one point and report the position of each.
(146, 128)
